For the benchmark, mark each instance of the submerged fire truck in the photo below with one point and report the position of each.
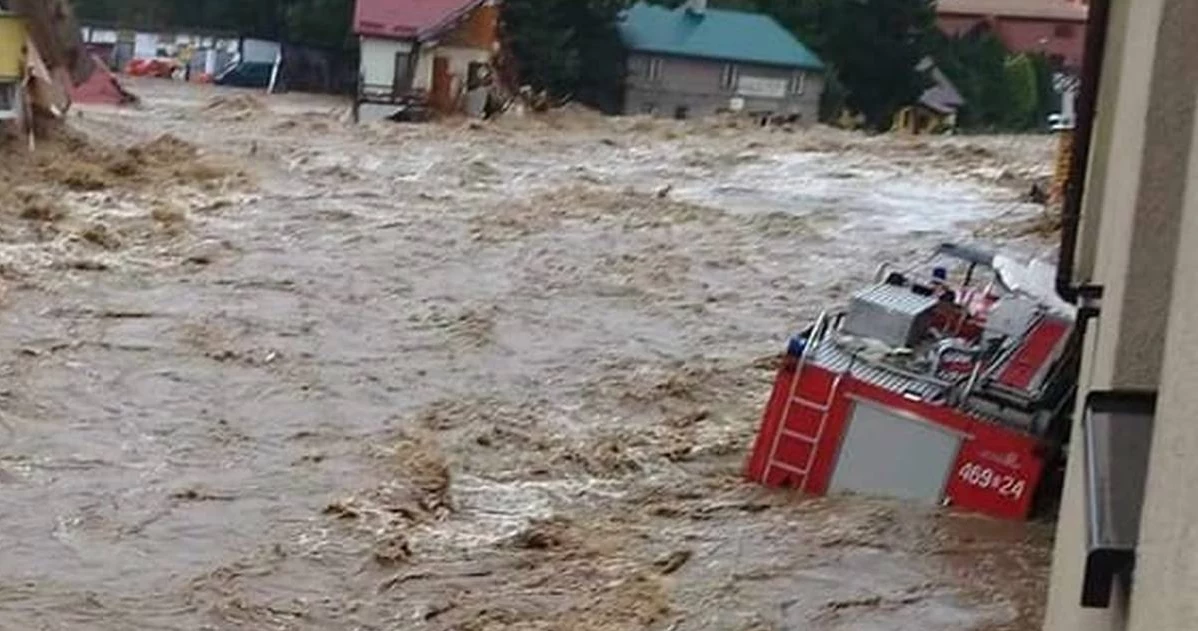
(948, 383)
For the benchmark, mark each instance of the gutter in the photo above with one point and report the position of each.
(1087, 105)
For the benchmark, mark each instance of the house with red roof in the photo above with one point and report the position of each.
(1056, 28)
(426, 52)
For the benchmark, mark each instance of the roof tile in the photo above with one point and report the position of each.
(716, 34)
(407, 18)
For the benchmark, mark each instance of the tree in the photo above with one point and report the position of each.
(569, 47)
(976, 64)
(1021, 85)
(319, 22)
(1003, 92)
(875, 46)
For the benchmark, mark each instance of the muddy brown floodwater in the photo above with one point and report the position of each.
(268, 370)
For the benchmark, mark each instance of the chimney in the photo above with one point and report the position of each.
(696, 7)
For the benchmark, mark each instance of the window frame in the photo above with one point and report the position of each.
(402, 72)
(797, 86)
(9, 101)
(729, 77)
(654, 69)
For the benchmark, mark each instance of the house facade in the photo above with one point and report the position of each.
(694, 61)
(1125, 556)
(421, 51)
(937, 108)
(1056, 28)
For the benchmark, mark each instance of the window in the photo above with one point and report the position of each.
(798, 83)
(1064, 31)
(729, 76)
(402, 80)
(8, 100)
(653, 69)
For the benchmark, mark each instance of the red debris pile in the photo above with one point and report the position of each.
(102, 87)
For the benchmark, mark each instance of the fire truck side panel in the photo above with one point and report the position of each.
(894, 454)
(996, 470)
(996, 473)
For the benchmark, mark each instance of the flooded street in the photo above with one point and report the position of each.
(297, 374)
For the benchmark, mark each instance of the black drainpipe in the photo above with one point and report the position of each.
(1087, 104)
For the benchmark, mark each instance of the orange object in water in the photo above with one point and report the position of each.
(161, 68)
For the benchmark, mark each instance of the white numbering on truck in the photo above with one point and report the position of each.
(984, 477)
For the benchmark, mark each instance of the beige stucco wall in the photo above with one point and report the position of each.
(1162, 187)
(1104, 131)
(1068, 566)
(1126, 104)
(1134, 218)
(1166, 578)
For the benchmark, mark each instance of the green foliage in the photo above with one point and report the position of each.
(1002, 92)
(834, 100)
(977, 66)
(1021, 86)
(875, 46)
(569, 47)
(1048, 101)
(319, 22)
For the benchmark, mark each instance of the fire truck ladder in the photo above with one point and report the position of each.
(822, 325)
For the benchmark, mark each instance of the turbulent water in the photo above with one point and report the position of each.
(463, 376)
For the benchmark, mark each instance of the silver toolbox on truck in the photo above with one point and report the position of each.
(890, 314)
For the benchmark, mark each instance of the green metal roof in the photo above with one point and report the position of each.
(715, 34)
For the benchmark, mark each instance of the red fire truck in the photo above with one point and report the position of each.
(948, 383)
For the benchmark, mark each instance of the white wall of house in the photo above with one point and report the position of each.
(423, 79)
(145, 45)
(459, 64)
(378, 59)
